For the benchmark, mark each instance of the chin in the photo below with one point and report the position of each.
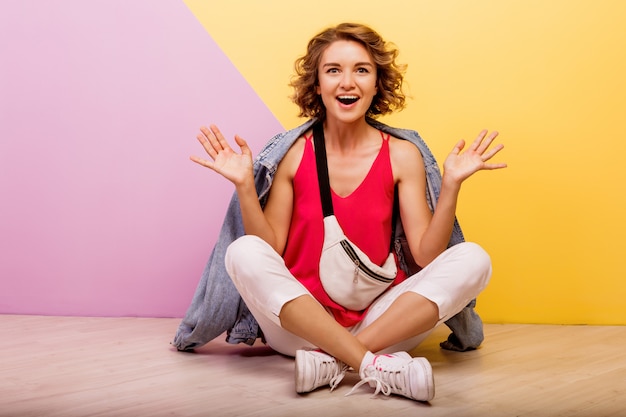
(346, 117)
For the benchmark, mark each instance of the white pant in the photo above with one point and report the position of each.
(451, 281)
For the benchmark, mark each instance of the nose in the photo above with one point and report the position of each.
(347, 80)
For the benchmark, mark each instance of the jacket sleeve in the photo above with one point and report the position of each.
(216, 306)
(466, 326)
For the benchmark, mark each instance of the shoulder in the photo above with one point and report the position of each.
(405, 156)
(291, 161)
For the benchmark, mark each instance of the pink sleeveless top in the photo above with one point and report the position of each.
(365, 217)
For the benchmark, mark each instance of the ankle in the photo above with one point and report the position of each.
(368, 360)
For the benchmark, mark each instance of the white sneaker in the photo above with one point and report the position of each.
(316, 369)
(401, 374)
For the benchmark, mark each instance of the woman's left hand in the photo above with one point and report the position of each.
(460, 166)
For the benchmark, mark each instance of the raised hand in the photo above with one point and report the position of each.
(235, 167)
(460, 166)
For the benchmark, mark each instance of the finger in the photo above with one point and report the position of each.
(476, 143)
(220, 139)
(202, 162)
(495, 166)
(458, 147)
(206, 144)
(210, 138)
(492, 152)
(484, 145)
(488, 141)
(245, 149)
(215, 139)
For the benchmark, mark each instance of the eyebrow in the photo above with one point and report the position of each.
(358, 64)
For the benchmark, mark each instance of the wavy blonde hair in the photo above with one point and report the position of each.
(389, 74)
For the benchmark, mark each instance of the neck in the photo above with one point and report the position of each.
(345, 135)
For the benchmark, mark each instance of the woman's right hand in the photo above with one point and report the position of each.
(235, 167)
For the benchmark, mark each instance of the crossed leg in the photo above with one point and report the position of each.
(409, 315)
(292, 319)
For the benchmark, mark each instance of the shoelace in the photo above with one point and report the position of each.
(378, 375)
(332, 371)
(338, 377)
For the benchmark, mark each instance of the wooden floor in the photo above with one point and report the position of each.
(59, 366)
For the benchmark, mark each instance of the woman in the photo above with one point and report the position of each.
(348, 76)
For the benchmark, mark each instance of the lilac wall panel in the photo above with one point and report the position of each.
(101, 212)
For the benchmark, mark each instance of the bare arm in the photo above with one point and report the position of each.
(428, 234)
(271, 225)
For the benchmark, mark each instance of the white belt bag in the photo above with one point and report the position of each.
(347, 274)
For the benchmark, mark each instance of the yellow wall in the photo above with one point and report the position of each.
(549, 75)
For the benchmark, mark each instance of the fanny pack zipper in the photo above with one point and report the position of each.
(359, 265)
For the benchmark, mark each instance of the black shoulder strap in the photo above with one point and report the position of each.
(324, 182)
(322, 169)
(394, 217)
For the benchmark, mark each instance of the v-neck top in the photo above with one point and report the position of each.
(364, 215)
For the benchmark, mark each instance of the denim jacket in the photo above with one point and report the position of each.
(217, 307)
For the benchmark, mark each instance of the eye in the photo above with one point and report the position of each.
(332, 70)
(363, 70)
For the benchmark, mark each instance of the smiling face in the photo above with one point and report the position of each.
(346, 80)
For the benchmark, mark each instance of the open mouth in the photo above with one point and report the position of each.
(347, 100)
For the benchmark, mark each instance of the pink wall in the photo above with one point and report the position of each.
(101, 211)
